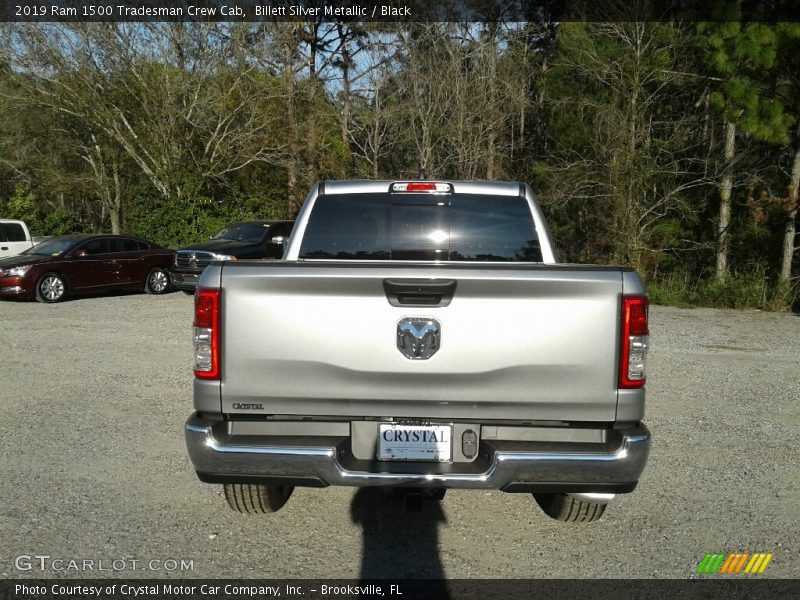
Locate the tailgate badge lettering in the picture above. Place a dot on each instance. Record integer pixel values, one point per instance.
(248, 406)
(418, 338)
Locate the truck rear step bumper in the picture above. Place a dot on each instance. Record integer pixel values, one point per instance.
(319, 462)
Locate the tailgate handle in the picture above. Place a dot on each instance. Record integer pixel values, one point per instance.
(419, 292)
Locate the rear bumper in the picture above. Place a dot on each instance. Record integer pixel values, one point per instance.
(323, 461)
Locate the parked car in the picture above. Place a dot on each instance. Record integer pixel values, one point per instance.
(78, 264)
(14, 237)
(244, 239)
(420, 335)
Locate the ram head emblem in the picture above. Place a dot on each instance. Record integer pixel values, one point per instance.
(418, 338)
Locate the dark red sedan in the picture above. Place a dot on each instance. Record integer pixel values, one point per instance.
(79, 264)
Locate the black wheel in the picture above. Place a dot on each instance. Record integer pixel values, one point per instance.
(188, 292)
(51, 288)
(566, 508)
(257, 499)
(157, 281)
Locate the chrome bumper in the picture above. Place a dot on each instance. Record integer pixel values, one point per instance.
(12, 290)
(318, 464)
(185, 281)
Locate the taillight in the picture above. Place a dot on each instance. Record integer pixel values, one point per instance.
(206, 334)
(633, 355)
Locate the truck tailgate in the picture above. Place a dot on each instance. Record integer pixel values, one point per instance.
(518, 342)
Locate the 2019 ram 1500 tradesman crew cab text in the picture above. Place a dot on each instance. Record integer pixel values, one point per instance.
(420, 335)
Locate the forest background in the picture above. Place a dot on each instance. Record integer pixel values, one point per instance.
(673, 148)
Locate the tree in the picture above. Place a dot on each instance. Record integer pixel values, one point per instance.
(372, 113)
(164, 94)
(789, 93)
(621, 136)
(739, 56)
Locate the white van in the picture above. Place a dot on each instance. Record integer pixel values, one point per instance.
(14, 237)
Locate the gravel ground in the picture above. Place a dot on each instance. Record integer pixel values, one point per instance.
(95, 392)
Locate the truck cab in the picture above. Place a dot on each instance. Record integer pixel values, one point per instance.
(14, 237)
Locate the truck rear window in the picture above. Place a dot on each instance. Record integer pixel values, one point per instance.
(453, 227)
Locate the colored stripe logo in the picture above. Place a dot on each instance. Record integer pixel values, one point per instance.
(734, 563)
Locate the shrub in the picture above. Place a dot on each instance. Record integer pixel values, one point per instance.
(61, 222)
(22, 206)
(741, 290)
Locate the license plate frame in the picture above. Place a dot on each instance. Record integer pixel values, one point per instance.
(404, 446)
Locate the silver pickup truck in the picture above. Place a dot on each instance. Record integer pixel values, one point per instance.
(420, 335)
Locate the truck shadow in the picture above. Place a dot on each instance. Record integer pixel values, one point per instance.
(399, 543)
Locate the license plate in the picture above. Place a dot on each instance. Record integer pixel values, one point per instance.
(430, 443)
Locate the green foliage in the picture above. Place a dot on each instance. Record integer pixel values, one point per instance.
(22, 205)
(742, 55)
(61, 222)
(752, 290)
(175, 224)
(670, 291)
(743, 291)
(619, 127)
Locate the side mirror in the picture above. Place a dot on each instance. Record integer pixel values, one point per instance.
(80, 253)
(278, 240)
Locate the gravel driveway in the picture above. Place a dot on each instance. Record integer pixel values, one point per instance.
(95, 392)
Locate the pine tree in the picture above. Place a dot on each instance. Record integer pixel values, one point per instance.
(740, 57)
(788, 89)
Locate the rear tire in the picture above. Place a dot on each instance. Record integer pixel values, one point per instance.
(257, 499)
(562, 507)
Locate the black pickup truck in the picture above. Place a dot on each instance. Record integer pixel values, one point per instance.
(240, 240)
